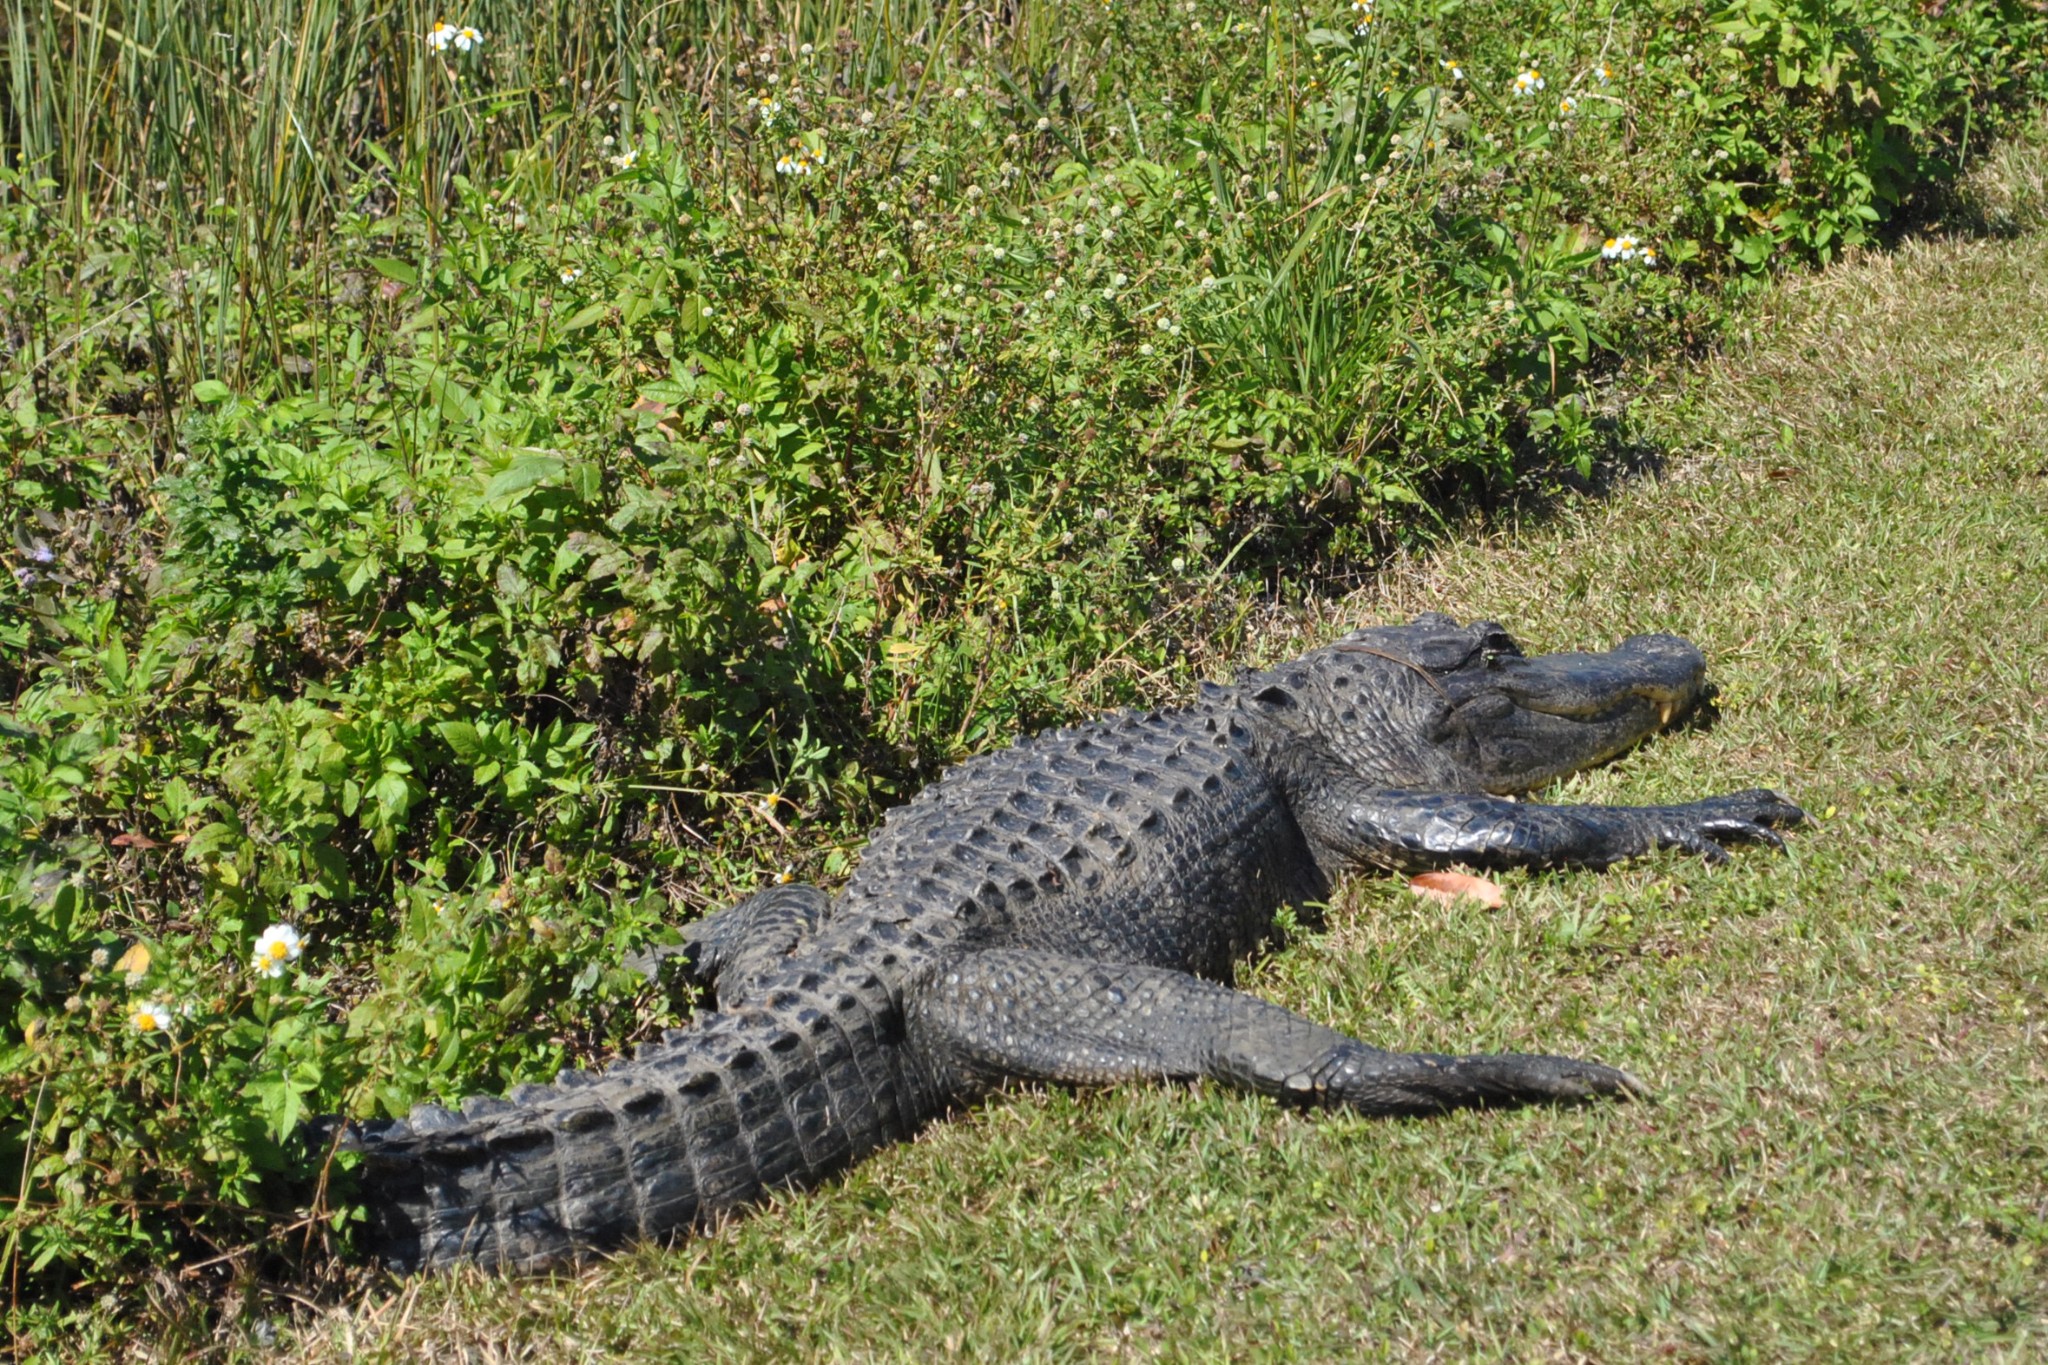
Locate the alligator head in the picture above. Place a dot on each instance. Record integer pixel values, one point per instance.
(1453, 707)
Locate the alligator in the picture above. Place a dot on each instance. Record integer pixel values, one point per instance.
(1068, 910)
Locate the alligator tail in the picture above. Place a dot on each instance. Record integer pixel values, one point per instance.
(704, 1122)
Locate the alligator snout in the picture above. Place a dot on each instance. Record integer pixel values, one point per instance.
(1667, 671)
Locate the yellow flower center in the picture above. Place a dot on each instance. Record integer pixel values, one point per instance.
(277, 948)
(145, 1021)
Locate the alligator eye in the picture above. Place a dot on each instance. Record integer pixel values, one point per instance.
(1491, 658)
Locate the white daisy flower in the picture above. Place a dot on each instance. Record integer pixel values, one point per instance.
(151, 1017)
(1529, 82)
(277, 948)
(467, 39)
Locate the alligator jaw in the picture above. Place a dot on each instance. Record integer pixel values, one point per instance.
(1571, 711)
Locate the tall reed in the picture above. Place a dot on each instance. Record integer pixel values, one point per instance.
(272, 108)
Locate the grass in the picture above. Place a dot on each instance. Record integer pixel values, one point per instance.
(1846, 1158)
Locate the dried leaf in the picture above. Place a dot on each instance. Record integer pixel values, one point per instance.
(134, 840)
(1448, 886)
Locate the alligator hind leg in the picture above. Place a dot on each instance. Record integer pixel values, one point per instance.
(742, 942)
(983, 1018)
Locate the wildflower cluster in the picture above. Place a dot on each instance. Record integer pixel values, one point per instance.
(1529, 82)
(1361, 17)
(278, 948)
(765, 107)
(801, 159)
(1626, 248)
(444, 35)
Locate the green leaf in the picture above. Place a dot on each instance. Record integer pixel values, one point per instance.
(523, 473)
(457, 404)
(332, 864)
(391, 268)
(393, 795)
(586, 315)
(211, 391)
(428, 316)
(207, 840)
(462, 737)
(637, 306)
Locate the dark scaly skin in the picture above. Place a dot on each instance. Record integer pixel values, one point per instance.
(1068, 910)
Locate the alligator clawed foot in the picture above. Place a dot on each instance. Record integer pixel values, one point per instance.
(1757, 805)
(1708, 828)
(1509, 1079)
(1575, 1081)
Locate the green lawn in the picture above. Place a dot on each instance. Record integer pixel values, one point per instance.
(1847, 1159)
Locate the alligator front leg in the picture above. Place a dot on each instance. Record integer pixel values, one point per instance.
(981, 1019)
(1413, 831)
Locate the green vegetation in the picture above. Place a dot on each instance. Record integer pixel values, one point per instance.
(1845, 1159)
(481, 506)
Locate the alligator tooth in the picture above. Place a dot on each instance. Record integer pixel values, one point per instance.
(1664, 710)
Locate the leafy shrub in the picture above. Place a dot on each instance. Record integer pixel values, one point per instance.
(587, 511)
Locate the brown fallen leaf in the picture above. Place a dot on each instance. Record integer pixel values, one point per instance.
(1448, 886)
(133, 840)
